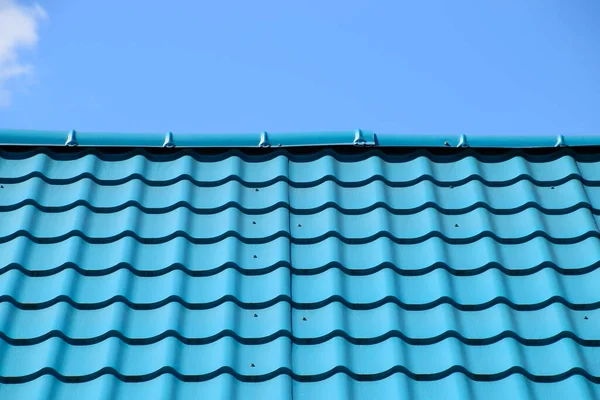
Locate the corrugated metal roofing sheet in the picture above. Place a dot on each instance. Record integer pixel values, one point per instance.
(284, 275)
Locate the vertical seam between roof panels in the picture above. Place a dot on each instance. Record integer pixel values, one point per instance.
(291, 314)
(587, 196)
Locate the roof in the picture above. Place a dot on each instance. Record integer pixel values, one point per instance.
(301, 272)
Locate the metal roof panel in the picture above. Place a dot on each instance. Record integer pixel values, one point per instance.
(316, 273)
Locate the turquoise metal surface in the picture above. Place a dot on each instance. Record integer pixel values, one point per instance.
(282, 274)
(357, 137)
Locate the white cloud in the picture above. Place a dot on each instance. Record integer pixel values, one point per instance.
(18, 30)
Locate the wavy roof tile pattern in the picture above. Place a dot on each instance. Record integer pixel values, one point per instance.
(299, 275)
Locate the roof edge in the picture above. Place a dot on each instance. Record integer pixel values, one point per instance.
(16, 137)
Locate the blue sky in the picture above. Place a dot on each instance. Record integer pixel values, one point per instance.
(475, 67)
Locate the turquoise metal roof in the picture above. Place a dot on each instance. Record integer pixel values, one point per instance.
(298, 273)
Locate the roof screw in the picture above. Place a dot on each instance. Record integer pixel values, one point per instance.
(71, 139)
(585, 317)
(168, 143)
(255, 315)
(256, 190)
(253, 222)
(462, 142)
(299, 225)
(303, 318)
(254, 256)
(451, 187)
(252, 365)
(264, 140)
(456, 225)
(552, 187)
(359, 139)
(1, 186)
(447, 144)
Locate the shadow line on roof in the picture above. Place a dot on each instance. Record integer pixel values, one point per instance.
(308, 154)
(300, 341)
(302, 378)
(301, 306)
(300, 271)
(300, 211)
(298, 185)
(300, 241)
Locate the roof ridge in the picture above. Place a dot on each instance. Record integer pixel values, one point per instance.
(358, 137)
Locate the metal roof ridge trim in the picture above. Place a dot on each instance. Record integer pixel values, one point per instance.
(278, 139)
